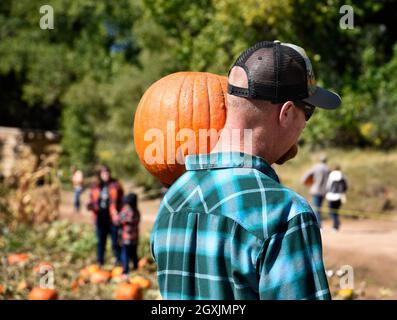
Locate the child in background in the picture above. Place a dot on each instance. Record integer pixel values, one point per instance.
(129, 217)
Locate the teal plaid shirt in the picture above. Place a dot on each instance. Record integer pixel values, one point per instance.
(227, 229)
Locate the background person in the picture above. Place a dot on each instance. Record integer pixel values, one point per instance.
(129, 218)
(317, 178)
(78, 184)
(105, 202)
(336, 194)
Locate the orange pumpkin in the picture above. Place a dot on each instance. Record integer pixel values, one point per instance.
(75, 285)
(179, 101)
(128, 291)
(117, 272)
(43, 294)
(100, 276)
(142, 263)
(141, 281)
(42, 267)
(2, 288)
(86, 272)
(93, 268)
(17, 258)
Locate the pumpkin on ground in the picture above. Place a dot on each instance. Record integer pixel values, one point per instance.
(142, 263)
(141, 281)
(75, 285)
(42, 267)
(345, 294)
(86, 272)
(93, 268)
(170, 119)
(128, 291)
(17, 258)
(117, 272)
(100, 276)
(43, 294)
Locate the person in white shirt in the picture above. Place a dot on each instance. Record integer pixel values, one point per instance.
(336, 194)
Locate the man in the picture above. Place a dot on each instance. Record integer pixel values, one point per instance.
(227, 229)
(317, 178)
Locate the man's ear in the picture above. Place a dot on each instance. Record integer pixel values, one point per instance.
(286, 115)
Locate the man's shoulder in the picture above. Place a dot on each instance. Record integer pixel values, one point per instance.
(255, 201)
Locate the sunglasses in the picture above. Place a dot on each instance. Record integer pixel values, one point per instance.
(307, 108)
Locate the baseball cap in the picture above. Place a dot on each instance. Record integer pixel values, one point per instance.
(280, 72)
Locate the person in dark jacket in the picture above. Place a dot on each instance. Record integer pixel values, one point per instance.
(105, 202)
(128, 219)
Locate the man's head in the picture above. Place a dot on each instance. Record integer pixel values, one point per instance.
(271, 90)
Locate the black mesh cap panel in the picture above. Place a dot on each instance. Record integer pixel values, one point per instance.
(275, 72)
(292, 75)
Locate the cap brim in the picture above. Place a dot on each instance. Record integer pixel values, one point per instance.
(325, 99)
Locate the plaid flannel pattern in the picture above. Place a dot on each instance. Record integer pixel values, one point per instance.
(227, 229)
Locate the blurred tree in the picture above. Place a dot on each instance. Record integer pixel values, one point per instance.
(49, 68)
(102, 55)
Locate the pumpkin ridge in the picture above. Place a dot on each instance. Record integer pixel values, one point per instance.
(163, 147)
(208, 147)
(178, 143)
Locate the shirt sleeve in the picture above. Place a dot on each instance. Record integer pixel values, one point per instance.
(291, 264)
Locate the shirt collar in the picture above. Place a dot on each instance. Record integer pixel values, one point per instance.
(224, 160)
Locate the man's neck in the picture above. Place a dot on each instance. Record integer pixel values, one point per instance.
(246, 141)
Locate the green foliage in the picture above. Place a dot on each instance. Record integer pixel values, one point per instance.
(102, 55)
(380, 87)
(78, 137)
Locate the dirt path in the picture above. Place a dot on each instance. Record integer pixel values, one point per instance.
(369, 246)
